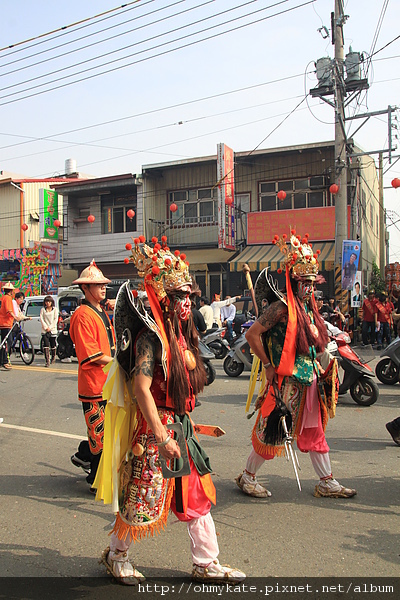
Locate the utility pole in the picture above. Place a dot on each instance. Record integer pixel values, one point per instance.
(340, 148)
(340, 134)
(382, 221)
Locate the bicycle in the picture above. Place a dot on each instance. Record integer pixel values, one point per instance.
(25, 348)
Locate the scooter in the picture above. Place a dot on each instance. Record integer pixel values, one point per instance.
(239, 357)
(206, 356)
(65, 346)
(215, 341)
(358, 375)
(388, 369)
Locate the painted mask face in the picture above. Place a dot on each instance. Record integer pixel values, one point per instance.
(304, 289)
(182, 307)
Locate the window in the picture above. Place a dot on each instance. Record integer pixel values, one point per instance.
(113, 214)
(194, 207)
(33, 309)
(300, 193)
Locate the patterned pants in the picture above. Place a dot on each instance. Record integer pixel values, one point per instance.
(94, 417)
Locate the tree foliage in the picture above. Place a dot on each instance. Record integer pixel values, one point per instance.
(377, 282)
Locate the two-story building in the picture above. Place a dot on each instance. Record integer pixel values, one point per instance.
(303, 172)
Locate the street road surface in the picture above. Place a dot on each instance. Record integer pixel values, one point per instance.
(51, 525)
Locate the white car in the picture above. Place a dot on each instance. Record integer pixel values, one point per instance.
(67, 301)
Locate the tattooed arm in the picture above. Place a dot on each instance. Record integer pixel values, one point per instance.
(277, 311)
(147, 350)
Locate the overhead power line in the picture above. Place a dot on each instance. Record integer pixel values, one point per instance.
(165, 52)
(64, 27)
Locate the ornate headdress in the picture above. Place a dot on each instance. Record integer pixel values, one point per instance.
(163, 271)
(299, 256)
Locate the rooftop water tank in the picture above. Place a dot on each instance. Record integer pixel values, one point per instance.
(70, 166)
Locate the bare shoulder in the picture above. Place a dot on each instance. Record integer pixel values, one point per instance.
(276, 312)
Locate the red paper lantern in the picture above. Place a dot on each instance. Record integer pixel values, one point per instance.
(128, 246)
(228, 201)
(396, 183)
(130, 214)
(91, 219)
(281, 195)
(57, 223)
(173, 207)
(24, 227)
(126, 261)
(334, 188)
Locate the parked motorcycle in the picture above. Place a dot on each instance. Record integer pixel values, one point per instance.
(206, 356)
(388, 369)
(215, 341)
(65, 346)
(239, 357)
(358, 375)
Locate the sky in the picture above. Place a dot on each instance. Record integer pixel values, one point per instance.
(159, 80)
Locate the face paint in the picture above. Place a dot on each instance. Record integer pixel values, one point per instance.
(182, 307)
(304, 289)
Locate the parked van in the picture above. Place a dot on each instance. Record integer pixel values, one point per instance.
(66, 301)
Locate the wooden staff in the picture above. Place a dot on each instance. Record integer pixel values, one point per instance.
(246, 271)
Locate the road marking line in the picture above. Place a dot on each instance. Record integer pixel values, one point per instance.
(47, 369)
(45, 431)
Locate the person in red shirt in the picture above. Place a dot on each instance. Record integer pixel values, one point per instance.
(368, 326)
(6, 323)
(94, 339)
(383, 319)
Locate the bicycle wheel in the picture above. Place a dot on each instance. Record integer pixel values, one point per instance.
(26, 349)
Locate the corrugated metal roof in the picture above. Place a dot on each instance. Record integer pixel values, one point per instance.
(259, 257)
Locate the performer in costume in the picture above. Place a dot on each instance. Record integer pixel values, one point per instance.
(287, 338)
(94, 339)
(152, 384)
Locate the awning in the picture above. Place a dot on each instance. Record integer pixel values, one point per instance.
(200, 259)
(259, 257)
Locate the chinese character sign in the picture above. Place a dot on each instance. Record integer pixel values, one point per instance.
(226, 197)
(48, 210)
(350, 257)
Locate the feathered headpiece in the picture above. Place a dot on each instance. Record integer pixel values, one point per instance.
(163, 271)
(299, 256)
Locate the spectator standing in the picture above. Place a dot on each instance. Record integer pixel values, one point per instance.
(206, 311)
(6, 323)
(368, 326)
(217, 304)
(383, 320)
(49, 320)
(228, 314)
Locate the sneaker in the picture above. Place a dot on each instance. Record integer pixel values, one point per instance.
(197, 403)
(78, 462)
(394, 432)
(119, 566)
(250, 486)
(67, 360)
(217, 572)
(330, 488)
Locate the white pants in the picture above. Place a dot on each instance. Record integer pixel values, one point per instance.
(320, 461)
(203, 541)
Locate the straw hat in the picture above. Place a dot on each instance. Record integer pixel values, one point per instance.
(8, 286)
(91, 274)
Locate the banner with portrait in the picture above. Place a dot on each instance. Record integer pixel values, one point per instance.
(350, 258)
(356, 291)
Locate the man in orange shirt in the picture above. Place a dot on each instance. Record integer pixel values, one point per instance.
(94, 339)
(6, 323)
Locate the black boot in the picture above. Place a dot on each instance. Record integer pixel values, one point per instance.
(393, 428)
(53, 355)
(46, 352)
